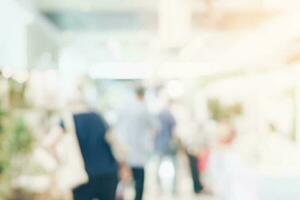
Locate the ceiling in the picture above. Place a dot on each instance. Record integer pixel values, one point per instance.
(95, 5)
(100, 15)
(103, 21)
(232, 28)
(128, 15)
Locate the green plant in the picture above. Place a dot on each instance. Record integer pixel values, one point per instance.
(16, 93)
(15, 136)
(219, 111)
(15, 141)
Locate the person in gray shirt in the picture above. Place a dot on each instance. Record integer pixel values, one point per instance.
(134, 126)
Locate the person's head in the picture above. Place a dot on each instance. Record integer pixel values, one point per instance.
(140, 92)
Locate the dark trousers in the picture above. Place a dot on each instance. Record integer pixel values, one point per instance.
(139, 181)
(102, 187)
(193, 161)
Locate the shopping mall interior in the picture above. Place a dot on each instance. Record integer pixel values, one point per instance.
(221, 75)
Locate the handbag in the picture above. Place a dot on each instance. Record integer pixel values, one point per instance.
(71, 172)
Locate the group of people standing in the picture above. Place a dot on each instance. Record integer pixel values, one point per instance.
(119, 153)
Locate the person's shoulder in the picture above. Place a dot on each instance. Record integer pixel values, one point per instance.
(97, 117)
(88, 114)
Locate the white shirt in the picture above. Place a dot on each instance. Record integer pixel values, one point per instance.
(134, 126)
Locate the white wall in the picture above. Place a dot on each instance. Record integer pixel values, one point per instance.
(13, 20)
(43, 43)
(24, 36)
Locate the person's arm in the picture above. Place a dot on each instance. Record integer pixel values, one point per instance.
(119, 150)
(118, 147)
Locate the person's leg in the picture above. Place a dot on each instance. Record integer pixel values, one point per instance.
(139, 179)
(105, 186)
(193, 161)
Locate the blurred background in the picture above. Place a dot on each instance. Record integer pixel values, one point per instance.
(232, 60)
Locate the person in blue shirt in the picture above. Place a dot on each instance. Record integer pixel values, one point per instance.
(165, 140)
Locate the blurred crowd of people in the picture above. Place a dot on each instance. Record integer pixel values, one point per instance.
(114, 155)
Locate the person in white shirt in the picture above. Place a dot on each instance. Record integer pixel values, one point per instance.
(134, 126)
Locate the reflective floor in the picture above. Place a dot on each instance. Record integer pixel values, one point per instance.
(184, 184)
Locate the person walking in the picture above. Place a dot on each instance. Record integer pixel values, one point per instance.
(134, 125)
(191, 140)
(165, 144)
(102, 154)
